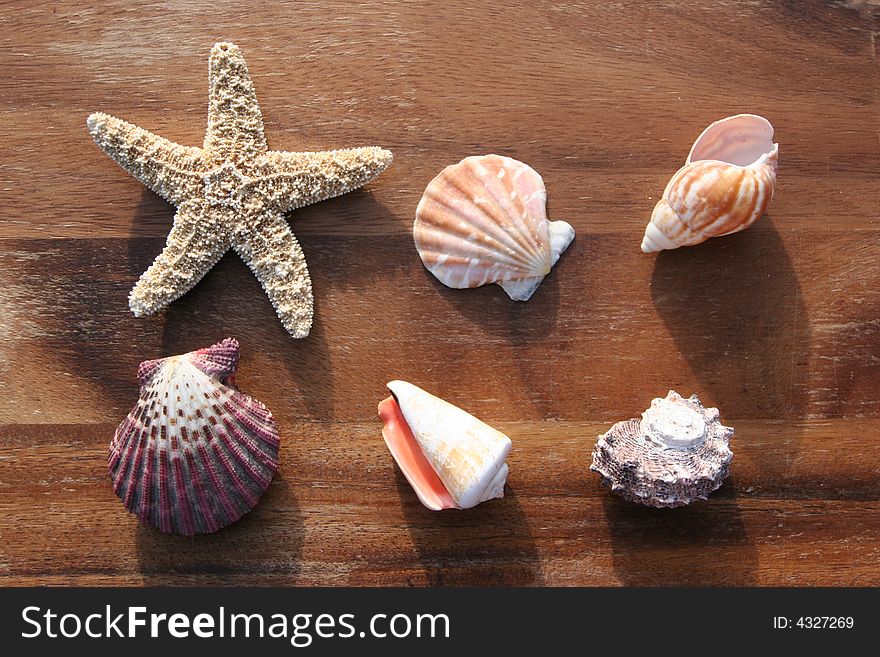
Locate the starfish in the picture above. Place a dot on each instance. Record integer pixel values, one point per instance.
(233, 192)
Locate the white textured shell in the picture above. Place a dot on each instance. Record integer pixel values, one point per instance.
(467, 454)
(725, 186)
(484, 220)
(677, 453)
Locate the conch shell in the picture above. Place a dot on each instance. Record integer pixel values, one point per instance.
(194, 454)
(724, 187)
(677, 453)
(484, 220)
(450, 458)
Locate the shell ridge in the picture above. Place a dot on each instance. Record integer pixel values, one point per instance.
(561, 236)
(202, 520)
(533, 220)
(432, 244)
(440, 248)
(262, 449)
(218, 361)
(462, 273)
(503, 192)
(131, 471)
(493, 222)
(146, 489)
(223, 448)
(257, 410)
(162, 489)
(154, 500)
(263, 429)
(491, 225)
(527, 234)
(147, 369)
(219, 500)
(185, 524)
(466, 270)
(237, 450)
(121, 441)
(455, 263)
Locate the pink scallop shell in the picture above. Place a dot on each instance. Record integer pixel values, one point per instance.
(484, 220)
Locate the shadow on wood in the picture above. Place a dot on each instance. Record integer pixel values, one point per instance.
(520, 322)
(689, 546)
(229, 301)
(853, 391)
(734, 308)
(488, 545)
(486, 313)
(262, 548)
(200, 318)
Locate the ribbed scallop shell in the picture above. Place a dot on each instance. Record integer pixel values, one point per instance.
(483, 221)
(642, 468)
(725, 186)
(194, 454)
(451, 459)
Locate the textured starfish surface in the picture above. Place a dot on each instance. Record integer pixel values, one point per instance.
(232, 193)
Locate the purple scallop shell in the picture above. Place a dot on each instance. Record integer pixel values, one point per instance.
(194, 454)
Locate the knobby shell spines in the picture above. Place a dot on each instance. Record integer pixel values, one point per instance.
(678, 452)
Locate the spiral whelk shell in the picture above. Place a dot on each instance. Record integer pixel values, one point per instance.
(677, 453)
(450, 458)
(484, 220)
(194, 454)
(725, 185)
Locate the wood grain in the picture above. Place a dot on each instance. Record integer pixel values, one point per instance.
(777, 326)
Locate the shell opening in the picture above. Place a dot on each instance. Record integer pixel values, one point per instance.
(451, 458)
(742, 140)
(410, 459)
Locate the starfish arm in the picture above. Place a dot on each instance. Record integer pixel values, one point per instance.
(169, 169)
(293, 180)
(195, 244)
(270, 249)
(235, 123)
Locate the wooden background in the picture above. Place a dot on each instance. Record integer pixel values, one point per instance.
(778, 326)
